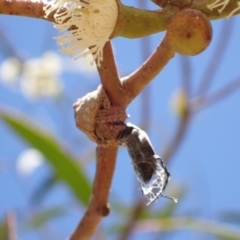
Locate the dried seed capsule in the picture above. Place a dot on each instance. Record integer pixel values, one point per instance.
(149, 167)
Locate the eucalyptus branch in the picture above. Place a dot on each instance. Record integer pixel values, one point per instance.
(119, 93)
(134, 216)
(131, 22)
(205, 101)
(128, 22)
(106, 156)
(98, 206)
(185, 116)
(110, 79)
(186, 74)
(11, 226)
(138, 80)
(136, 23)
(216, 59)
(172, 147)
(25, 8)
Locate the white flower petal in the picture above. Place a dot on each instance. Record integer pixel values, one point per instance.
(10, 70)
(40, 76)
(84, 25)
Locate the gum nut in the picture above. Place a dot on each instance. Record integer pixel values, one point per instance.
(189, 32)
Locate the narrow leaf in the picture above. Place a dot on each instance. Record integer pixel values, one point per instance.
(64, 165)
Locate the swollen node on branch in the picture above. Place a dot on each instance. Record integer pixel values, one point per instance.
(189, 32)
(98, 119)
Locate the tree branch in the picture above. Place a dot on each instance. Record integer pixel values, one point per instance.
(185, 117)
(216, 59)
(205, 101)
(139, 79)
(171, 149)
(98, 206)
(11, 226)
(133, 217)
(25, 8)
(110, 79)
(132, 22)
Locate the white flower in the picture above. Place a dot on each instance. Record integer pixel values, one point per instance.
(84, 24)
(28, 161)
(223, 4)
(40, 76)
(10, 70)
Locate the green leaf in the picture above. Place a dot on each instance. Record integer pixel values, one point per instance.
(65, 167)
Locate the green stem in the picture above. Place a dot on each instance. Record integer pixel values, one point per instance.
(135, 23)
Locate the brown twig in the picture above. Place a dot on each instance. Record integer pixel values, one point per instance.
(205, 101)
(216, 59)
(110, 79)
(146, 93)
(25, 8)
(11, 226)
(98, 206)
(133, 217)
(106, 157)
(34, 9)
(172, 147)
(186, 74)
(118, 94)
(138, 204)
(139, 79)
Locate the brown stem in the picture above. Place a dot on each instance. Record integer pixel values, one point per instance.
(139, 79)
(171, 149)
(138, 204)
(146, 93)
(186, 73)
(110, 78)
(11, 226)
(134, 216)
(24, 8)
(155, 21)
(98, 206)
(205, 101)
(217, 58)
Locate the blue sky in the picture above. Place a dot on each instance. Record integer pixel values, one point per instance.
(207, 162)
